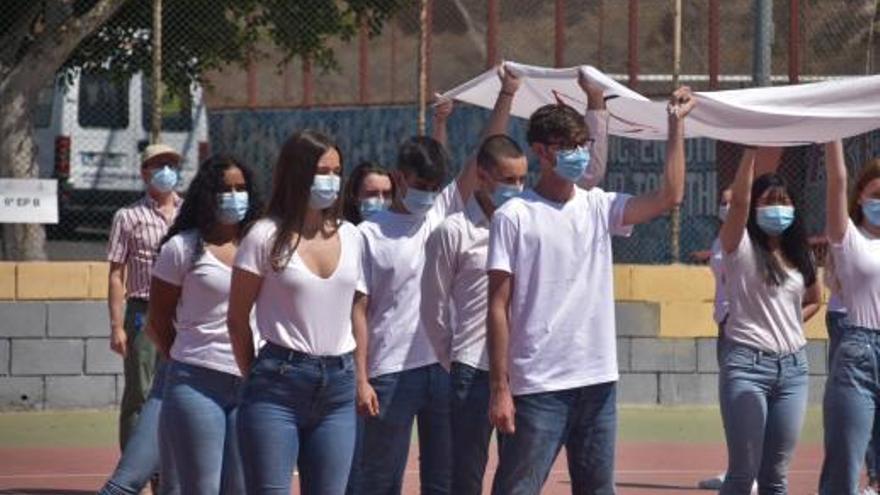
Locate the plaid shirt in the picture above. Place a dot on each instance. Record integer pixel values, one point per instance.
(134, 241)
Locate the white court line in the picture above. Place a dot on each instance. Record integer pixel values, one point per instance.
(416, 471)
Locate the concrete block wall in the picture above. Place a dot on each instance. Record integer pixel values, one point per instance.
(55, 350)
(54, 344)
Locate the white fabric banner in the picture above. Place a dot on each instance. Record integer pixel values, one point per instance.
(773, 116)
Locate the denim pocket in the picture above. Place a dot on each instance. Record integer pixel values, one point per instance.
(737, 357)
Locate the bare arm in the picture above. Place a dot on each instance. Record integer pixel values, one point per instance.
(597, 121)
(646, 207)
(811, 302)
(242, 295)
(837, 219)
(163, 305)
(501, 409)
(367, 401)
(442, 110)
(497, 124)
(733, 229)
(115, 304)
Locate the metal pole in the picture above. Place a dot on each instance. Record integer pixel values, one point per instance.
(491, 33)
(633, 58)
(156, 117)
(676, 72)
(363, 63)
(763, 42)
(600, 45)
(714, 37)
(423, 66)
(794, 41)
(559, 32)
(308, 81)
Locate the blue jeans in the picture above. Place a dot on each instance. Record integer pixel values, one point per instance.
(836, 324)
(763, 402)
(297, 410)
(582, 419)
(198, 417)
(419, 392)
(140, 459)
(471, 429)
(852, 397)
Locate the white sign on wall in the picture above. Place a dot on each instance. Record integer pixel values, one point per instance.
(28, 201)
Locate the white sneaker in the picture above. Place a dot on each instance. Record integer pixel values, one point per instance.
(713, 483)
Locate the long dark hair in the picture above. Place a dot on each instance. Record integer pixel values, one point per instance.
(199, 209)
(351, 205)
(291, 189)
(792, 242)
(869, 172)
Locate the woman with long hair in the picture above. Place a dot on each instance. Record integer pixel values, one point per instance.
(299, 265)
(771, 288)
(189, 293)
(369, 189)
(852, 393)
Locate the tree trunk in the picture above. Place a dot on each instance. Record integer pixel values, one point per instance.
(19, 84)
(21, 241)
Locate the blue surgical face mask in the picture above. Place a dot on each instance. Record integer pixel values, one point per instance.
(325, 190)
(164, 179)
(775, 219)
(371, 206)
(417, 201)
(503, 192)
(572, 164)
(232, 207)
(871, 210)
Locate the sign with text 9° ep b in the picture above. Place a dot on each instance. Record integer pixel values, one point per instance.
(28, 201)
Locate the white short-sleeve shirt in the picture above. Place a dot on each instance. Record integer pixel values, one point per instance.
(296, 308)
(765, 317)
(562, 328)
(857, 266)
(393, 260)
(717, 266)
(200, 317)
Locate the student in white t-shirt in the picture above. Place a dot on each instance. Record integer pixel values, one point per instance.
(187, 322)
(552, 349)
(852, 393)
(770, 283)
(455, 291)
(300, 266)
(406, 380)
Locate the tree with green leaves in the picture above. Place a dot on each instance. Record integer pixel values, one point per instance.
(42, 38)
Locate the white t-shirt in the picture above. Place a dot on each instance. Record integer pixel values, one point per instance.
(200, 317)
(857, 266)
(717, 266)
(394, 257)
(764, 317)
(296, 308)
(562, 329)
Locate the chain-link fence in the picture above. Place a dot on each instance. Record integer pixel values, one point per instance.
(91, 125)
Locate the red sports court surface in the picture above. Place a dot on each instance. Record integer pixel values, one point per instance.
(660, 451)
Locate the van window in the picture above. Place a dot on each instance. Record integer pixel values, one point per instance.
(176, 110)
(103, 102)
(43, 106)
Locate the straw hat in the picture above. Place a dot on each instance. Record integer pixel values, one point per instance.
(159, 153)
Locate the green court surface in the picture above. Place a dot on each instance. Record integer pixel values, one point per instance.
(700, 425)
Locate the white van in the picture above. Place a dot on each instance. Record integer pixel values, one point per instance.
(90, 132)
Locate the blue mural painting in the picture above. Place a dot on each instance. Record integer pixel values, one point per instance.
(373, 133)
